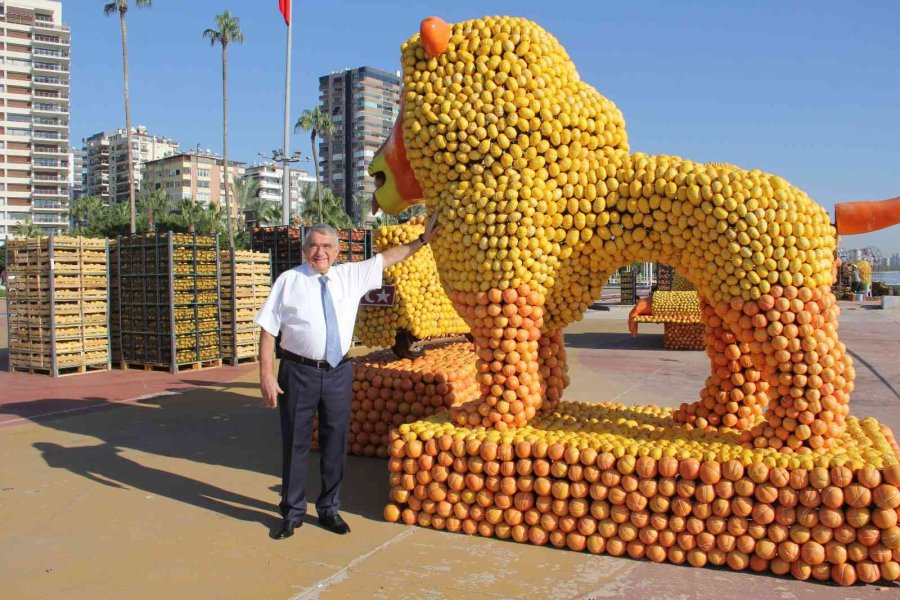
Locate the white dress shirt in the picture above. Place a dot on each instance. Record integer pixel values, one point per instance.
(294, 306)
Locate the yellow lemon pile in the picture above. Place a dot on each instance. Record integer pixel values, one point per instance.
(421, 306)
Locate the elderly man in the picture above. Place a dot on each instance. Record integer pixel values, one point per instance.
(314, 307)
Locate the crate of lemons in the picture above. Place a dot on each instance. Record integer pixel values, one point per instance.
(421, 307)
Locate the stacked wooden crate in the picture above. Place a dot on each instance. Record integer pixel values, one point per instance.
(58, 309)
(245, 286)
(169, 301)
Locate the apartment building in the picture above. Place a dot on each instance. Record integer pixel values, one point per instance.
(270, 176)
(199, 175)
(106, 161)
(363, 104)
(34, 115)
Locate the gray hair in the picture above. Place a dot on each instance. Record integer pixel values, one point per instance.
(320, 228)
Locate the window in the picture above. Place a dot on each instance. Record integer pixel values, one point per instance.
(202, 172)
(203, 184)
(202, 197)
(16, 131)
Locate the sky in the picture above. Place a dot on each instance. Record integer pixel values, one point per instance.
(808, 90)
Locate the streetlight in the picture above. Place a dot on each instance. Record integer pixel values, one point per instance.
(279, 156)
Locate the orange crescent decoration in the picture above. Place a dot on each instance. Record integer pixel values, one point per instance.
(435, 34)
(395, 155)
(862, 217)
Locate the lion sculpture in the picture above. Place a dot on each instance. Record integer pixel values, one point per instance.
(541, 199)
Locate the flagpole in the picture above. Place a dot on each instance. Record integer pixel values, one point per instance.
(286, 165)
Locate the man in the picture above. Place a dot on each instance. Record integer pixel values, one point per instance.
(854, 279)
(314, 308)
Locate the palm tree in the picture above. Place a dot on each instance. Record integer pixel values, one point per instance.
(188, 213)
(330, 210)
(154, 204)
(229, 31)
(212, 220)
(86, 211)
(28, 228)
(270, 215)
(121, 7)
(317, 123)
(245, 192)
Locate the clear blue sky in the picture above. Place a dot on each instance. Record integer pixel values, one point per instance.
(808, 90)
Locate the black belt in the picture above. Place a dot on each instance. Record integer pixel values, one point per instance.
(318, 364)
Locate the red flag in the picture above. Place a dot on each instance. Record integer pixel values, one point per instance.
(285, 7)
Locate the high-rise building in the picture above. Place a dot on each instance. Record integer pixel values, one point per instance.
(106, 158)
(195, 174)
(363, 103)
(270, 177)
(895, 261)
(34, 115)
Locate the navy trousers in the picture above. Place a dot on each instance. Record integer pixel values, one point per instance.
(308, 390)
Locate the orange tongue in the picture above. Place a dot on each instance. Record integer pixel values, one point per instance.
(375, 206)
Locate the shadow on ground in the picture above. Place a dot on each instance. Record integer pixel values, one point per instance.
(203, 426)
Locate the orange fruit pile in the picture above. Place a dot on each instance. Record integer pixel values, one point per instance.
(623, 480)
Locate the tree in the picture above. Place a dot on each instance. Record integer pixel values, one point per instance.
(229, 31)
(188, 214)
(317, 123)
(155, 205)
(245, 190)
(270, 215)
(213, 221)
(86, 212)
(121, 7)
(28, 228)
(330, 210)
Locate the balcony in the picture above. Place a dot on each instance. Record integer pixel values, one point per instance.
(52, 95)
(48, 150)
(49, 40)
(49, 205)
(47, 25)
(49, 163)
(48, 135)
(51, 219)
(60, 54)
(51, 82)
(49, 178)
(40, 107)
(45, 122)
(42, 66)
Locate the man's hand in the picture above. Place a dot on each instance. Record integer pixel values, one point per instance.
(432, 227)
(270, 390)
(267, 381)
(392, 256)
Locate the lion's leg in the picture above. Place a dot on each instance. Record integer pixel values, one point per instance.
(735, 392)
(553, 368)
(808, 367)
(506, 326)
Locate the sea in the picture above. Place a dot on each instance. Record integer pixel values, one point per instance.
(888, 277)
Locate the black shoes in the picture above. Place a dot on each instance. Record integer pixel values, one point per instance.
(286, 529)
(335, 524)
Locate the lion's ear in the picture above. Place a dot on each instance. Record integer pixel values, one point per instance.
(435, 34)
